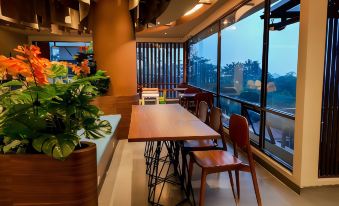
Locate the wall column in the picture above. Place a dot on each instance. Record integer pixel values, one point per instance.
(115, 52)
(115, 46)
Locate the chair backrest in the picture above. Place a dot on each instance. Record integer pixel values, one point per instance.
(164, 93)
(203, 111)
(206, 97)
(239, 132)
(191, 90)
(150, 89)
(182, 85)
(215, 119)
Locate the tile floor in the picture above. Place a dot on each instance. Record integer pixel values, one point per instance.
(126, 182)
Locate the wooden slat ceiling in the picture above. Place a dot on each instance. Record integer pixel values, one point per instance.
(47, 14)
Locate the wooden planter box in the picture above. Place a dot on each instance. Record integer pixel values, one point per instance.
(40, 180)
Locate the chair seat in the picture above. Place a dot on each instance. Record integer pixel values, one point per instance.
(216, 159)
(193, 145)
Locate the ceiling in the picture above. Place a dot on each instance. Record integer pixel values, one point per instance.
(174, 13)
(183, 29)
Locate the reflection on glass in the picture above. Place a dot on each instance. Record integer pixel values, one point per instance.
(241, 54)
(282, 68)
(229, 107)
(253, 119)
(202, 71)
(279, 137)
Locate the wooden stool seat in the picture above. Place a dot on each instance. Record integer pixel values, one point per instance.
(216, 159)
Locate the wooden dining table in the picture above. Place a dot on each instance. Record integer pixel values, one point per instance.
(165, 126)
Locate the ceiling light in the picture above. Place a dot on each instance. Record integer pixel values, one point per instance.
(158, 22)
(205, 2)
(194, 9)
(165, 33)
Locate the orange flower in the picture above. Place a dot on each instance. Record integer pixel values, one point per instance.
(83, 69)
(28, 64)
(76, 69)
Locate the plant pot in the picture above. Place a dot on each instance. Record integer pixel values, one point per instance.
(37, 179)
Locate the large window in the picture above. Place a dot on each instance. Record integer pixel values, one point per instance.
(258, 71)
(282, 64)
(203, 55)
(241, 54)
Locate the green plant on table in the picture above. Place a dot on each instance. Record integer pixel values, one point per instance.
(41, 117)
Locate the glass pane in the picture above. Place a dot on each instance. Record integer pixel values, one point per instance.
(229, 107)
(282, 67)
(253, 119)
(279, 137)
(203, 55)
(241, 53)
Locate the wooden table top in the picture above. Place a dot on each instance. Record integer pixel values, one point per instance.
(166, 122)
(179, 89)
(187, 95)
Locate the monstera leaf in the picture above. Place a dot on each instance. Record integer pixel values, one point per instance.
(58, 146)
(96, 129)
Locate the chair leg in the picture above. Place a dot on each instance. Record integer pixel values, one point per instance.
(202, 188)
(190, 169)
(232, 186)
(184, 162)
(255, 184)
(237, 183)
(190, 173)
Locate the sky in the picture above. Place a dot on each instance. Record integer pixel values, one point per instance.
(243, 41)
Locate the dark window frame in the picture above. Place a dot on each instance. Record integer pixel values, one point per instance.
(262, 108)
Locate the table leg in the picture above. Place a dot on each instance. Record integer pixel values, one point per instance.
(153, 179)
(156, 165)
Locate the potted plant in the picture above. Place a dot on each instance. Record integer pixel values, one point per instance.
(42, 160)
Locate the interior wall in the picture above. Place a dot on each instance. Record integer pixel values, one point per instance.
(115, 46)
(309, 90)
(10, 40)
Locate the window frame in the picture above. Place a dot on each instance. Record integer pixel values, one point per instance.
(262, 107)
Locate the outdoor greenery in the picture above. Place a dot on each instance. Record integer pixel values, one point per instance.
(281, 90)
(43, 117)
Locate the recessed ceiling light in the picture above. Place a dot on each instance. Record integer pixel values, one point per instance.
(165, 33)
(194, 9)
(205, 2)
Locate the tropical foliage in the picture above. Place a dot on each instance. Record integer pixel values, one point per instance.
(43, 117)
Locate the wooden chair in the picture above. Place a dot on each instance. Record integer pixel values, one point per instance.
(162, 99)
(207, 97)
(216, 161)
(202, 113)
(203, 145)
(190, 90)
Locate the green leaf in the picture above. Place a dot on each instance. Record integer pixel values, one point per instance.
(58, 70)
(97, 129)
(58, 146)
(100, 73)
(13, 145)
(12, 83)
